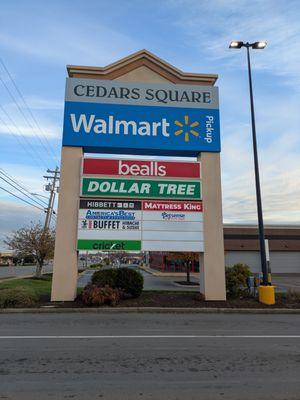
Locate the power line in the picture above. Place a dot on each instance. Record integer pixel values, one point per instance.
(25, 201)
(49, 207)
(34, 152)
(24, 116)
(21, 191)
(21, 185)
(27, 107)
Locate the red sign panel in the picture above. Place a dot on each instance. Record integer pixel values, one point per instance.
(187, 206)
(143, 168)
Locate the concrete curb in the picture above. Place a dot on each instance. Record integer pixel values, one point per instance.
(168, 274)
(14, 278)
(150, 310)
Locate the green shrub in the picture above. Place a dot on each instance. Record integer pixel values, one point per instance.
(17, 297)
(97, 296)
(236, 279)
(131, 282)
(106, 277)
(97, 265)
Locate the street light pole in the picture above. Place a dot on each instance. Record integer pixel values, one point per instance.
(264, 267)
(262, 246)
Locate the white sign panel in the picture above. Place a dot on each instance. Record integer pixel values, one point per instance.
(141, 225)
(178, 226)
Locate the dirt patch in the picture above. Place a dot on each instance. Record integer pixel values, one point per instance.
(184, 299)
(175, 299)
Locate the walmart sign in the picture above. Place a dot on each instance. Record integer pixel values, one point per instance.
(117, 117)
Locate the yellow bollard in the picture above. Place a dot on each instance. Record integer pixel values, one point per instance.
(266, 294)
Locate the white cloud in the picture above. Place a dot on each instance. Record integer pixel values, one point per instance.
(279, 172)
(274, 21)
(96, 44)
(49, 130)
(45, 104)
(21, 122)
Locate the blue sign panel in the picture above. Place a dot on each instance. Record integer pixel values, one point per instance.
(132, 118)
(116, 128)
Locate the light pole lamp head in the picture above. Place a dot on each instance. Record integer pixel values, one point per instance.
(235, 44)
(259, 45)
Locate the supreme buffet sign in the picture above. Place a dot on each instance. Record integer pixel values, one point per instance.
(140, 205)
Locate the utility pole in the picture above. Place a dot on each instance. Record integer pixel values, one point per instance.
(52, 188)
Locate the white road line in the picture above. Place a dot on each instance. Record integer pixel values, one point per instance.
(153, 337)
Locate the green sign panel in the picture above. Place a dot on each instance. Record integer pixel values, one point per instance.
(108, 245)
(141, 188)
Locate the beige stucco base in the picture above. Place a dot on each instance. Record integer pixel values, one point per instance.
(212, 263)
(65, 269)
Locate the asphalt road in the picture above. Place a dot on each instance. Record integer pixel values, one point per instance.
(149, 356)
(19, 271)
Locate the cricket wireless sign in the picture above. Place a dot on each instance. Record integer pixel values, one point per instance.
(117, 224)
(118, 117)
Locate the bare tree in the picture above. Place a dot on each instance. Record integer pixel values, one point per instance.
(187, 259)
(35, 241)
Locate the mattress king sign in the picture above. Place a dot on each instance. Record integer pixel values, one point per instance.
(142, 168)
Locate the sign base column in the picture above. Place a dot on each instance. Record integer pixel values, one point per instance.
(65, 267)
(212, 261)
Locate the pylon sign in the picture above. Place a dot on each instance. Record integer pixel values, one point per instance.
(143, 219)
(139, 118)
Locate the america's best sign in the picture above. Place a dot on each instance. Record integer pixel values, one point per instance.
(121, 117)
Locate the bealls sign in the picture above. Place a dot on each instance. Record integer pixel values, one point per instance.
(114, 117)
(142, 168)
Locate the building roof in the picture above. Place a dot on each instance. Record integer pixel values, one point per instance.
(142, 58)
(6, 253)
(245, 237)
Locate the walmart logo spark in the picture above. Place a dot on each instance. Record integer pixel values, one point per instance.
(186, 128)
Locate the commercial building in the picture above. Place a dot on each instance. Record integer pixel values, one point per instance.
(242, 246)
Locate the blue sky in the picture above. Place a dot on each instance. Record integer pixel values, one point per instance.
(38, 39)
